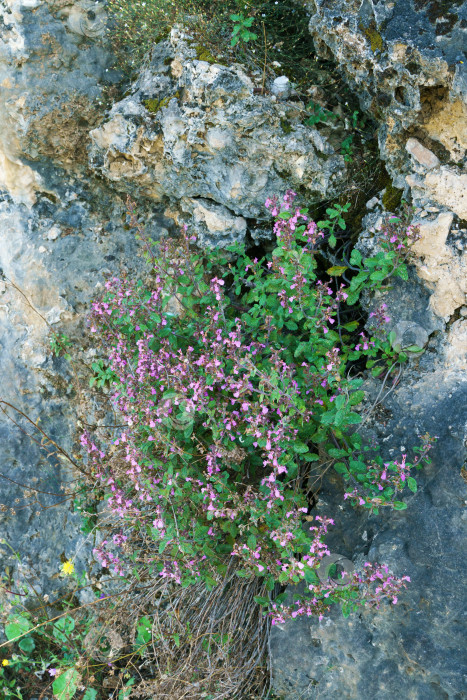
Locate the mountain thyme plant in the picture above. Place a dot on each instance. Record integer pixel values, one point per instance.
(230, 375)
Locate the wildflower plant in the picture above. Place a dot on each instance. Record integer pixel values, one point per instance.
(230, 375)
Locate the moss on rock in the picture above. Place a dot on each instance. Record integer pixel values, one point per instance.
(374, 37)
(392, 197)
(154, 105)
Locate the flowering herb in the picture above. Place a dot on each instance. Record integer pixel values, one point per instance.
(230, 373)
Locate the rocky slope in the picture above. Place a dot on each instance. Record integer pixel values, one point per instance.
(193, 141)
(407, 62)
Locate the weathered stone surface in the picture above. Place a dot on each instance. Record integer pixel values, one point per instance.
(52, 80)
(55, 254)
(192, 129)
(414, 649)
(59, 235)
(406, 60)
(421, 154)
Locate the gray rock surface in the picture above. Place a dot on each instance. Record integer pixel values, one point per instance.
(415, 649)
(57, 254)
(193, 129)
(60, 233)
(407, 62)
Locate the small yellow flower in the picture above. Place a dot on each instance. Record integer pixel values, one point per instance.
(5, 662)
(67, 568)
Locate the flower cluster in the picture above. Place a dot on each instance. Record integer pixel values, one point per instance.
(222, 398)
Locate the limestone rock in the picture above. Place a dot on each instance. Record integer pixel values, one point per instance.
(51, 84)
(192, 129)
(58, 236)
(406, 60)
(414, 649)
(442, 265)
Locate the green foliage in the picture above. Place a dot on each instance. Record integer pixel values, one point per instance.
(46, 651)
(66, 685)
(374, 271)
(336, 219)
(318, 114)
(347, 148)
(276, 336)
(241, 29)
(59, 344)
(103, 375)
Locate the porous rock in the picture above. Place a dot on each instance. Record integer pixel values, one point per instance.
(407, 62)
(193, 129)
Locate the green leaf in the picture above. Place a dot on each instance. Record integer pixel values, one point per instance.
(164, 544)
(337, 270)
(144, 631)
(261, 600)
(332, 240)
(356, 397)
(65, 686)
(242, 573)
(17, 628)
(402, 272)
(310, 457)
(311, 576)
(339, 402)
(399, 505)
(337, 452)
(378, 275)
(351, 326)
(352, 298)
(341, 468)
(300, 447)
(90, 694)
(27, 644)
(415, 349)
(355, 257)
(251, 542)
(412, 484)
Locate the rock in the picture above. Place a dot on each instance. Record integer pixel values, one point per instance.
(439, 257)
(281, 87)
(59, 232)
(52, 81)
(406, 60)
(52, 291)
(414, 649)
(443, 267)
(421, 154)
(447, 187)
(213, 224)
(195, 130)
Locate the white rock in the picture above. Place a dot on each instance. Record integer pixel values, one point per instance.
(281, 87)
